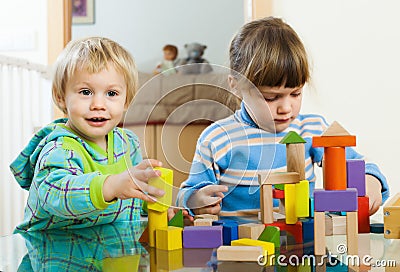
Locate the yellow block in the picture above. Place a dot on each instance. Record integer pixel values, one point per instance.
(269, 248)
(168, 260)
(169, 238)
(156, 220)
(125, 263)
(290, 203)
(164, 182)
(302, 198)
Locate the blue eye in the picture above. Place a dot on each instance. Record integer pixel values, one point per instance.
(85, 92)
(112, 93)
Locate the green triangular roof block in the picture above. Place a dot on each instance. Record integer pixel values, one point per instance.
(177, 220)
(292, 138)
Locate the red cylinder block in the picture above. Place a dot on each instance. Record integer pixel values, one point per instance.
(335, 168)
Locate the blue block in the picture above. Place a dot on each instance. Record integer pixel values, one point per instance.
(311, 207)
(229, 230)
(308, 229)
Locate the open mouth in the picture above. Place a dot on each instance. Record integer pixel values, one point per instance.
(97, 119)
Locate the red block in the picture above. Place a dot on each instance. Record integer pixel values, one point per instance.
(295, 229)
(279, 194)
(363, 214)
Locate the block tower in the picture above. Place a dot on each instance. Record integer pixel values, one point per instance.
(336, 195)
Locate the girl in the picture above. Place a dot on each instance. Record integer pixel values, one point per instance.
(230, 152)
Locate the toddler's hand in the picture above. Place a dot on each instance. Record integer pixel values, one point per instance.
(373, 191)
(207, 199)
(132, 183)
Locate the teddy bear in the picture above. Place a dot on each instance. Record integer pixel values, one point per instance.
(195, 52)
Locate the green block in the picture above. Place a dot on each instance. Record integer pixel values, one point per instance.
(271, 234)
(292, 138)
(177, 220)
(280, 187)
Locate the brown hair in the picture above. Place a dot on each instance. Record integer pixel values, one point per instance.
(268, 52)
(172, 48)
(93, 54)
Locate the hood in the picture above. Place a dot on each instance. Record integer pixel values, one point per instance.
(23, 166)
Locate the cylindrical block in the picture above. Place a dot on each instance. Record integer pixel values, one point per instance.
(335, 168)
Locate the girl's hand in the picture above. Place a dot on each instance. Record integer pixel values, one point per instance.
(373, 191)
(132, 183)
(207, 199)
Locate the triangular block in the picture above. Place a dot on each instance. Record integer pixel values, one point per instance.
(335, 129)
(177, 220)
(292, 138)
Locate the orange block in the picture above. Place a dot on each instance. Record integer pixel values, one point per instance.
(332, 141)
(335, 168)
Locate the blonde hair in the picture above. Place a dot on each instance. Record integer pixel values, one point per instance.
(93, 54)
(268, 52)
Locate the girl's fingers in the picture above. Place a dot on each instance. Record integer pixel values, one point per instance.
(144, 175)
(148, 163)
(152, 191)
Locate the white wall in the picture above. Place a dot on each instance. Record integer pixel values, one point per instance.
(23, 29)
(355, 49)
(144, 27)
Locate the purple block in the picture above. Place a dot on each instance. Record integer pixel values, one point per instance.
(335, 200)
(197, 257)
(356, 175)
(202, 237)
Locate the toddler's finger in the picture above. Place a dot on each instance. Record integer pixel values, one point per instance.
(153, 191)
(148, 163)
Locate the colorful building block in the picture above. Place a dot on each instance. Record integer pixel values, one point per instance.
(356, 175)
(334, 141)
(229, 230)
(335, 201)
(239, 253)
(391, 215)
(279, 194)
(352, 233)
(156, 220)
(363, 214)
(169, 238)
(293, 229)
(202, 222)
(268, 248)
(266, 204)
(250, 230)
(202, 237)
(271, 234)
(334, 176)
(290, 203)
(213, 217)
(307, 229)
(177, 220)
(165, 183)
(319, 233)
(168, 260)
(301, 199)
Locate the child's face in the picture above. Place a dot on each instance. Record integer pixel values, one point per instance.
(169, 55)
(275, 108)
(95, 103)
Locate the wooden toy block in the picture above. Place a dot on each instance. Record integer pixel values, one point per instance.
(197, 257)
(333, 141)
(307, 229)
(279, 194)
(250, 230)
(164, 182)
(352, 233)
(363, 214)
(177, 220)
(334, 176)
(271, 234)
(168, 260)
(335, 129)
(281, 207)
(364, 245)
(266, 204)
(311, 206)
(145, 236)
(213, 217)
(302, 193)
(391, 216)
(202, 222)
(279, 178)
(268, 248)
(292, 137)
(229, 230)
(290, 203)
(202, 237)
(239, 253)
(335, 201)
(293, 229)
(169, 238)
(156, 220)
(295, 159)
(319, 233)
(356, 175)
(279, 187)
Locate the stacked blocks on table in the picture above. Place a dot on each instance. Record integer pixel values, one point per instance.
(336, 196)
